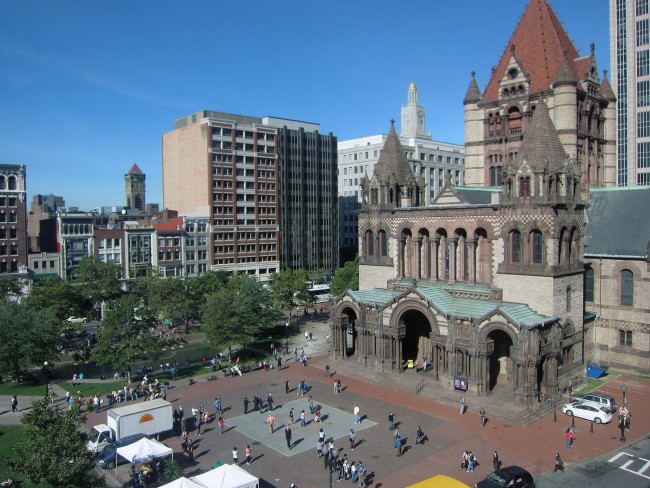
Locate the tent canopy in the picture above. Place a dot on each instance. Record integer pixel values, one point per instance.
(143, 450)
(227, 476)
(182, 482)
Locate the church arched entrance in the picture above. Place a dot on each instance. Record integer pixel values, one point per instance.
(500, 365)
(349, 320)
(416, 344)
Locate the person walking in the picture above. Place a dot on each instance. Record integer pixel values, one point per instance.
(482, 414)
(310, 404)
(221, 424)
(287, 436)
(361, 472)
(351, 437)
(270, 421)
(246, 402)
(336, 387)
(269, 400)
(495, 461)
(190, 449)
(319, 449)
(356, 410)
(471, 461)
(286, 386)
(419, 435)
(249, 454)
(321, 435)
(302, 419)
(353, 473)
(462, 405)
(569, 438)
(291, 416)
(217, 405)
(14, 404)
(559, 464)
(397, 444)
(235, 456)
(391, 420)
(197, 424)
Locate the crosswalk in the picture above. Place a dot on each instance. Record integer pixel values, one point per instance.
(632, 464)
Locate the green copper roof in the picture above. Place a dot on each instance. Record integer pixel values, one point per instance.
(440, 295)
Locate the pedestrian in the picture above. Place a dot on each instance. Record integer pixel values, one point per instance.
(391, 420)
(249, 454)
(357, 418)
(197, 424)
(181, 414)
(14, 403)
(235, 456)
(246, 402)
(221, 424)
(306, 335)
(495, 461)
(300, 387)
(462, 405)
(190, 449)
(559, 464)
(339, 468)
(419, 436)
(361, 472)
(302, 419)
(398, 439)
(269, 400)
(270, 421)
(319, 449)
(463, 460)
(351, 437)
(217, 405)
(279, 358)
(482, 414)
(287, 436)
(569, 438)
(286, 386)
(310, 404)
(471, 461)
(336, 387)
(295, 354)
(327, 370)
(291, 416)
(353, 473)
(321, 435)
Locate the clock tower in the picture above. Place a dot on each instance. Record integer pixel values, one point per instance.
(413, 116)
(135, 188)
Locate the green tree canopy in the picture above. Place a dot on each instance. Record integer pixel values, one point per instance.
(100, 280)
(61, 299)
(202, 286)
(168, 298)
(125, 334)
(53, 449)
(9, 288)
(346, 278)
(290, 286)
(28, 337)
(238, 313)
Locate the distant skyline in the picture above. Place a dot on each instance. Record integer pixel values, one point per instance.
(87, 89)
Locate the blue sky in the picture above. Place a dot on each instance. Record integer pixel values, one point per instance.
(88, 88)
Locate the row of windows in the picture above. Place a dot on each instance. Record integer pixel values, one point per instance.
(642, 66)
(536, 247)
(643, 93)
(12, 218)
(13, 233)
(626, 280)
(643, 155)
(641, 7)
(9, 267)
(13, 250)
(10, 183)
(8, 202)
(642, 32)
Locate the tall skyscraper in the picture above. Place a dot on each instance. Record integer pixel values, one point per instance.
(630, 60)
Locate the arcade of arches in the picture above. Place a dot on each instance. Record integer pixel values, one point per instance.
(489, 356)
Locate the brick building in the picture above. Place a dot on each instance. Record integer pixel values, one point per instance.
(13, 220)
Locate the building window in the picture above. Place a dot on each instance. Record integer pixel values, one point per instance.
(515, 246)
(383, 244)
(641, 7)
(643, 155)
(643, 124)
(524, 186)
(642, 63)
(538, 250)
(643, 93)
(625, 338)
(589, 285)
(642, 32)
(627, 287)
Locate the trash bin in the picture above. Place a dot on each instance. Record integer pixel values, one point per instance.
(81, 376)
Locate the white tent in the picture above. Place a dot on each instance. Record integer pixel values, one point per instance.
(227, 476)
(183, 482)
(143, 450)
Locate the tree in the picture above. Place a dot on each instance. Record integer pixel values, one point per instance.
(346, 278)
(290, 286)
(9, 288)
(53, 449)
(100, 280)
(28, 337)
(169, 297)
(238, 313)
(125, 334)
(59, 298)
(202, 286)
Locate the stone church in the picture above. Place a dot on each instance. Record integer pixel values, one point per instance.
(486, 285)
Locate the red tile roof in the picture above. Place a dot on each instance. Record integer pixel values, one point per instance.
(172, 224)
(135, 169)
(540, 42)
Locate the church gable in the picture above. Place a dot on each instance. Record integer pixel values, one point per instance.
(514, 81)
(448, 194)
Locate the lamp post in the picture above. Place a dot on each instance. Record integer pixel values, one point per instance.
(47, 378)
(286, 336)
(334, 456)
(624, 390)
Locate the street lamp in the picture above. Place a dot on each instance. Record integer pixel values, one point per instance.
(47, 379)
(624, 390)
(333, 457)
(286, 336)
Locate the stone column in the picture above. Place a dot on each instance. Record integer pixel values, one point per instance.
(443, 271)
(426, 262)
(452, 260)
(472, 261)
(420, 258)
(435, 259)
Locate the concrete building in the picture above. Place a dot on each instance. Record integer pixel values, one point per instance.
(629, 30)
(168, 255)
(41, 222)
(75, 239)
(267, 185)
(428, 158)
(197, 238)
(13, 220)
(135, 188)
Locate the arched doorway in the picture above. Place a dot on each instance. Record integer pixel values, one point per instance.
(416, 343)
(349, 320)
(500, 361)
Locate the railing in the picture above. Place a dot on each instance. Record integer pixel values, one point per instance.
(419, 387)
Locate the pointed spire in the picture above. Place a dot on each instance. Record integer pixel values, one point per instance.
(606, 90)
(473, 94)
(135, 170)
(392, 161)
(565, 75)
(541, 143)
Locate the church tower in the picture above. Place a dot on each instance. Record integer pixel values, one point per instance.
(135, 188)
(413, 116)
(539, 63)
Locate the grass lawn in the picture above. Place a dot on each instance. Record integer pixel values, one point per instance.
(89, 389)
(29, 387)
(591, 385)
(10, 436)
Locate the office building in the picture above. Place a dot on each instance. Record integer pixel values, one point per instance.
(13, 220)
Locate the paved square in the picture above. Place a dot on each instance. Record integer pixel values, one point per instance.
(335, 423)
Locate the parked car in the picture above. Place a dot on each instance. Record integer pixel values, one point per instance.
(108, 458)
(588, 411)
(603, 399)
(510, 477)
(77, 320)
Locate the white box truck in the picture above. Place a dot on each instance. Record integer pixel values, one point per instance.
(148, 418)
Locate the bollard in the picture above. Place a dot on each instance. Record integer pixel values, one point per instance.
(573, 421)
(592, 427)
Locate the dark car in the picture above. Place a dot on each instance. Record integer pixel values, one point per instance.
(109, 457)
(510, 477)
